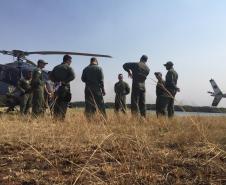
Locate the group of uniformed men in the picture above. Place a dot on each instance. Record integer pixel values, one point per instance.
(39, 93)
(55, 92)
(165, 89)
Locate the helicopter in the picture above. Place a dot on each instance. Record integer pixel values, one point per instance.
(11, 73)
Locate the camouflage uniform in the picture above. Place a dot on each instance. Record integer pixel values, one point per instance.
(93, 77)
(171, 86)
(37, 85)
(63, 94)
(24, 86)
(140, 71)
(121, 89)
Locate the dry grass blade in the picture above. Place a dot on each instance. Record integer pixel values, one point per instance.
(38, 153)
(123, 151)
(99, 146)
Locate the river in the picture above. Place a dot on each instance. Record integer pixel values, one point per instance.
(177, 113)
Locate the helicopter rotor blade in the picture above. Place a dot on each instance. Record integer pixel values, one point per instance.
(22, 54)
(4, 52)
(15, 53)
(29, 61)
(64, 53)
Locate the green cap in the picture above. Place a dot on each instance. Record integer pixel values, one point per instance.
(42, 62)
(169, 64)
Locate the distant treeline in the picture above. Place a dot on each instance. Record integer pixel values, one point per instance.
(186, 108)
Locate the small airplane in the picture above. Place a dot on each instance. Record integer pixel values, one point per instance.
(217, 94)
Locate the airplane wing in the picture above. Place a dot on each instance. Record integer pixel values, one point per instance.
(216, 100)
(216, 89)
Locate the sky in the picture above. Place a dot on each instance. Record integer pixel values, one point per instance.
(191, 33)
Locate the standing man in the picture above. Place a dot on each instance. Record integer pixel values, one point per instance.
(37, 85)
(121, 90)
(63, 74)
(138, 72)
(171, 87)
(49, 92)
(161, 95)
(93, 77)
(24, 86)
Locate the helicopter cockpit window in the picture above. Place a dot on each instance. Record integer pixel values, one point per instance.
(3, 74)
(9, 75)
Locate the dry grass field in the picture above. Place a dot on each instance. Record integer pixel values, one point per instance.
(121, 150)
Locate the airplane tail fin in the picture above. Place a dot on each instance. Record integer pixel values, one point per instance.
(218, 95)
(215, 87)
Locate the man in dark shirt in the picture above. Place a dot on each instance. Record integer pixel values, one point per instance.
(65, 74)
(138, 72)
(171, 86)
(93, 77)
(121, 90)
